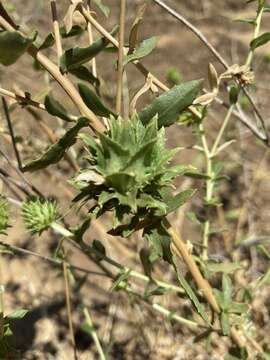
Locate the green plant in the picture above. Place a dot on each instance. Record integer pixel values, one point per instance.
(126, 169)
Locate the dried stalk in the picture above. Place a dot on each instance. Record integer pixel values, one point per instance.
(120, 69)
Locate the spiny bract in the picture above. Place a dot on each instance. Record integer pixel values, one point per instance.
(38, 214)
(128, 171)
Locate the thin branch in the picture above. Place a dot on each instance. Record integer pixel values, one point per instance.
(22, 100)
(61, 79)
(56, 30)
(10, 127)
(52, 261)
(120, 56)
(94, 333)
(69, 311)
(91, 39)
(195, 31)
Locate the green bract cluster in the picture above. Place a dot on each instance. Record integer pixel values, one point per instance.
(38, 214)
(3, 215)
(128, 173)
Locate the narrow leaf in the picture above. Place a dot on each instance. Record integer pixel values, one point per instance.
(169, 105)
(192, 295)
(83, 73)
(144, 49)
(17, 315)
(55, 152)
(93, 102)
(260, 40)
(74, 57)
(55, 108)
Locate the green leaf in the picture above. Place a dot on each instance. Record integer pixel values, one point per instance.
(144, 49)
(197, 175)
(223, 267)
(93, 102)
(12, 46)
(260, 40)
(55, 152)
(75, 57)
(246, 21)
(146, 262)
(169, 105)
(17, 315)
(103, 8)
(225, 325)
(122, 182)
(192, 295)
(160, 241)
(233, 94)
(85, 74)
(227, 289)
(121, 280)
(55, 108)
(173, 202)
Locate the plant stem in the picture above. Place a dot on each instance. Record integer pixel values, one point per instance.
(121, 44)
(56, 31)
(94, 334)
(91, 39)
(68, 306)
(65, 83)
(256, 31)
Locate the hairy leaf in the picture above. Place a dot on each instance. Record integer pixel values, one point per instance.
(55, 152)
(169, 105)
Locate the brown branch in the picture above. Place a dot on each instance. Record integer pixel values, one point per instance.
(120, 56)
(61, 79)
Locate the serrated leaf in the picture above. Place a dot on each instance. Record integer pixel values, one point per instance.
(144, 49)
(169, 105)
(122, 182)
(191, 294)
(55, 108)
(103, 8)
(93, 102)
(55, 152)
(17, 315)
(12, 46)
(75, 57)
(260, 41)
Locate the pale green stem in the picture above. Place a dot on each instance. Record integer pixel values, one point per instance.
(94, 334)
(256, 31)
(173, 316)
(132, 273)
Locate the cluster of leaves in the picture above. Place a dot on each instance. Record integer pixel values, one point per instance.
(128, 174)
(38, 214)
